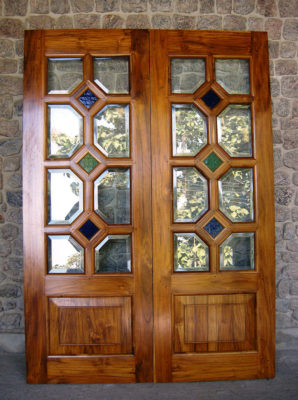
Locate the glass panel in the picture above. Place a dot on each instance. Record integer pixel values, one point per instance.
(190, 194)
(234, 130)
(88, 98)
(112, 74)
(237, 252)
(113, 254)
(212, 161)
(64, 74)
(213, 227)
(191, 253)
(65, 196)
(65, 255)
(236, 194)
(112, 196)
(111, 130)
(88, 229)
(65, 131)
(88, 163)
(189, 130)
(211, 99)
(233, 75)
(187, 74)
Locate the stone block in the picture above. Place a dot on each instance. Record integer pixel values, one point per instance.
(161, 5)
(283, 195)
(64, 22)
(282, 305)
(9, 232)
(160, 21)
(112, 21)
(8, 66)
(288, 8)
(290, 30)
(19, 47)
(6, 48)
(281, 107)
(243, 6)
(289, 231)
(15, 7)
(294, 108)
(289, 257)
(11, 28)
(78, 6)
(273, 27)
(40, 22)
(210, 22)
(295, 216)
(277, 157)
(60, 6)
(17, 247)
(15, 180)
(137, 21)
(224, 6)
(11, 85)
(11, 164)
(107, 5)
(134, 6)
(234, 22)
(273, 49)
(5, 249)
(295, 178)
(282, 213)
(284, 320)
(207, 6)
(287, 339)
(292, 271)
(87, 21)
(277, 139)
(39, 6)
(12, 343)
(6, 109)
(186, 6)
(10, 321)
(255, 24)
(292, 245)
(288, 49)
(285, 67)
(274, 87)
(18, 108)
(283, 288)
(14, 198)
(267, 8)
(291, 139)
(14, 215)
(289, 86)
(8, 128)
(10, 147)
(290, 159)
(294, 288)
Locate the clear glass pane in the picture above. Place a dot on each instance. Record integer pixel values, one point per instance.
(237, 252)
(65, 131)
(187, 74)
(112, 196)
(234, 130)
(189, 130)
(65, 196)
(65, 255)
(113, 254)
(112, 74)
(64, 74)
(236, 194)
(190, 194)
(190, 253)
(111, 130)
(233, 75)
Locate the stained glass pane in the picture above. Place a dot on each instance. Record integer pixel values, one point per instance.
(211, 99)
(65, 196)
(88, 163)
(190, 253)
(233, 75)
(64, 74)
(237, 252)
(189, 129)
(111, 130)
(187, 74)
(212, 161)
(88, 98)
(65, 255)
(113, 254)
(190, 194)
(88, 229)
(213, 227)
(112, 74)
(236, 194)
(112, 196)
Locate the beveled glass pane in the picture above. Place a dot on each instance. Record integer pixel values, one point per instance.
(190, 194)
(234, 130)
(65, 255)
(233, 75)
(64, 74)
(189, 130)
(113, 254)
(112, 74)
(112, 196)
(65, 131)
(236, 194)
(187, 74)
(190, 253)
(111, 130)
(237, 252)
(65, 196)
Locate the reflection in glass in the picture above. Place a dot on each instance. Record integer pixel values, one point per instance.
(64, 74)
(236, 194)
(189, 130)
(113, 254)
(233, 75)
(190, 253)
(65, 255)
(112, 196)
(65, 196)
(187, 74)
(234, 130)
(65, 131)
(190, 194)
(111, 130)
(112, 74)
(237, 252)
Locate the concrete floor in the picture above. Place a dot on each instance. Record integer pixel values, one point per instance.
(283, 387)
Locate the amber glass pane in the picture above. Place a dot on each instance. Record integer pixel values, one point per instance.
(64, 74)
(233, 75)
(187, 74)
(237, 252)
(190, 253)
(112, 74)
(113, 254)
(65, 255)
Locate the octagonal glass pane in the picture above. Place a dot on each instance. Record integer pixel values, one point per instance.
(189, 130)
(190, 253)
(112, 196)
(233, 75)
(113, 254)
(236, 194)
(65, 196)
(190, 194)
(187, 74)
(237, 252)
(64, 131)
(111, 130)
(112, 74)
(234, 130)
(64, 74)
(65, 255)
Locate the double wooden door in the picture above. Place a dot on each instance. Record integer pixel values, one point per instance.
(148, 206)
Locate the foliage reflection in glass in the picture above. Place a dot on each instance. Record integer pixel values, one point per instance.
(187, 74)
(64, 74)
(190, 253)
(237, 252)
(112, 74)
(65, 255)
(233, 75)
(113, 254)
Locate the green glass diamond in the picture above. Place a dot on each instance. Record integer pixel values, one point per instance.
(88, 163)
(212, 161)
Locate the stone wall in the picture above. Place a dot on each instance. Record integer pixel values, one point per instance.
(277, 17)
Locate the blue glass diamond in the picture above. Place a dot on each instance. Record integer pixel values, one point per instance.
(211, 99)
(89, 229)
(88, 98)
(213, 227)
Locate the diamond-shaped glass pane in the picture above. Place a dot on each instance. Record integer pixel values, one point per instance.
(187, 74)
(212, 161)
(190, 253)
(65, 196)
(88, 163)
(64, 131)
(233, 75)
(113, 254)
(213, 227)
(65, 255)
(189, 130)
(64, 74)
(236, 194)
(88, 98)
(190, 194)
(211, 99)
(112, 74)
(89, 229)
(237, 252)
(111, 130)
(112, 196)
